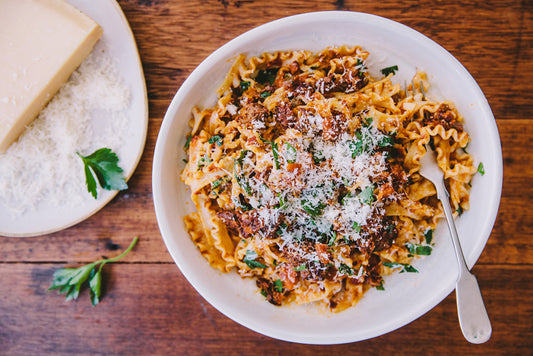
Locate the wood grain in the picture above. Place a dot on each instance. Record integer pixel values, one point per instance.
(174, 319)
(149, 308)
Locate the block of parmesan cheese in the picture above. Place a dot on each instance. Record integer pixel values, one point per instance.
(41, 43)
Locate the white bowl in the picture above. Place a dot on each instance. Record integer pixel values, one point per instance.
(407, 295)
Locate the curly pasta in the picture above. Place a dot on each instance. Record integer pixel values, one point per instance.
(305, 174)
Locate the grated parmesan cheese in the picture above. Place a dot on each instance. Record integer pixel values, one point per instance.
(87, 113)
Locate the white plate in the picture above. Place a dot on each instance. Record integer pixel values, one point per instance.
(407, 295)
(120, 44)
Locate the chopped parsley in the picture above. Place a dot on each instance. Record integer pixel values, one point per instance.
(481, 168)
(244, 85)
(215, 139)
(267, 76)
(301, 267)
(420, 250)
(367, 195)
(204, 161)
(249, 259)
(215, 184)
(405, 267)
(291, 153)
(275, 151)
(428, 235)
(459, 210)
(368, 121)
(187, 142)
(345, 269)
(278, 285)
(313, 210)
(388, 70)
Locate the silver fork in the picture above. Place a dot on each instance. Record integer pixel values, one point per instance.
(473, 317)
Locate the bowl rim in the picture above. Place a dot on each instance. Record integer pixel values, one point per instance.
(227, 51)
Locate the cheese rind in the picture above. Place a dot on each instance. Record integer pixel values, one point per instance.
(41, 43)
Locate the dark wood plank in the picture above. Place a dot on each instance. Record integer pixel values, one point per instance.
(137, 318)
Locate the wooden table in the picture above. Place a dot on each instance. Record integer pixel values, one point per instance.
(149, 308)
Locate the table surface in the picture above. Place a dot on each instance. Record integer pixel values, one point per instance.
(148, 307)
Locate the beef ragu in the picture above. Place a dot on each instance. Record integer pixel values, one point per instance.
(321, 195)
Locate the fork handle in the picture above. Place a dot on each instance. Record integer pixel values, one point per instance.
(473, 316)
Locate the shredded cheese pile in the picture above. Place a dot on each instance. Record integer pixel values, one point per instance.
(86, 114)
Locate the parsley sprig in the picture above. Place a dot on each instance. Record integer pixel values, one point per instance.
(103, 164)
(70, 280)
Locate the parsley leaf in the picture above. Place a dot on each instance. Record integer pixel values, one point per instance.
(291, 153)
(367, 195)
(249, 259)
(429, 236)
(388, 70)
(70, 280)
(244, 85)
(102, 163)
(380, 287)
(301, 267)
(368, 121)
(278, 285)
(215, 139)
(481, 168)
(268, 75)
(459, 210)
(345, 269)
(275, 151)
(405, 267)
(311, 209)
(188, 142)
(421, 250)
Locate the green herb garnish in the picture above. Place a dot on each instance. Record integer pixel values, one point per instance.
(218, 182)
(204, 161)
(481, 168)
(367, 195)
(459, 210)
(311, 209)
(368, 121)
(282, 201)
(243, 154)
(102, 163)
(380, 287)
(215, 139)
(70, 280)
(249, 259)
(301, 267)
(244, 85)
(265, 94)
(345, 269)
(188, 142)
(278, 285)
(291, 153)
(421, 250)
(388, 70)
(405, 267)
(267, 76)
(428, 235)
(356, 227)
(385, 141)
(275, 151)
